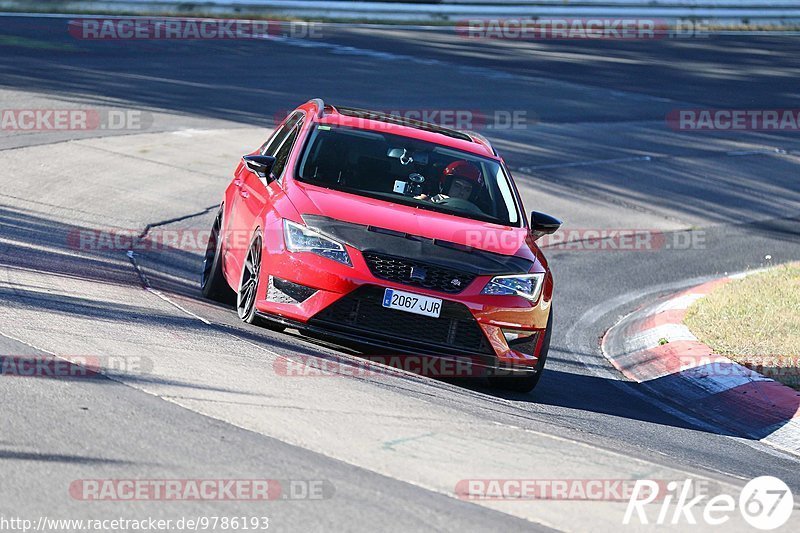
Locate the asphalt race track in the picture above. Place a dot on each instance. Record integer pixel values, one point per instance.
(388, 449)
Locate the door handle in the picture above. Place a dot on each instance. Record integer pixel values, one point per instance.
(237, 182)
(244, 194)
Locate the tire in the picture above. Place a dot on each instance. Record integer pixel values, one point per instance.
(212, 282)
(248, 281)
(527, 382)
(248, 287)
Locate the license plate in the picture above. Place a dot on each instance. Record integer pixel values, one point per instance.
(412, 303)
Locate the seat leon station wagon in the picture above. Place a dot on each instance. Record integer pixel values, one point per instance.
(386, 233)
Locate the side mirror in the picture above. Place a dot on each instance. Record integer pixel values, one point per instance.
(260, 165)
(542, 224)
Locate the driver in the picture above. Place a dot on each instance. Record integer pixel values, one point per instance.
(461, 180)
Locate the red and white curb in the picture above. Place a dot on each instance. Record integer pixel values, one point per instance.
(653, 346)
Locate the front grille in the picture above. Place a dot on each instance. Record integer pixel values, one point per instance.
(433, 277)
(455, 330)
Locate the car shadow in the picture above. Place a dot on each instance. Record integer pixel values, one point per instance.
(670, 401)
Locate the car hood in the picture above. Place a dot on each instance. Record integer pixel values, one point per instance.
(370, 224)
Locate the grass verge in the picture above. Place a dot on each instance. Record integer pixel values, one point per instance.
(755, 321)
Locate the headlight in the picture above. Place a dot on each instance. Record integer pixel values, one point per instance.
(526, 285)
(303, 239)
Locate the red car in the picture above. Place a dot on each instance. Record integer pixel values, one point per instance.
(390, 234)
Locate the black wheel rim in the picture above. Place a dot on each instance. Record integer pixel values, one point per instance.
(247, 288)
(211, 251)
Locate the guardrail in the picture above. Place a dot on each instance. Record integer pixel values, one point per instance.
(442, 10)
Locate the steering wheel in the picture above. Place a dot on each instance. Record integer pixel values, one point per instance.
(461, 205)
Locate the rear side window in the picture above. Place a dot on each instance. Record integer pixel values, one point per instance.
(282, 154)
(273, 144)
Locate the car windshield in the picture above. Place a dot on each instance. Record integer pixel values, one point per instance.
(408, 171)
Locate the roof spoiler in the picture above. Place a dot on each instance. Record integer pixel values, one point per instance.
(481, 139)
(320, 106)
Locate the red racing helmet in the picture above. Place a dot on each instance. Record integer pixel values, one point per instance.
(463, 170)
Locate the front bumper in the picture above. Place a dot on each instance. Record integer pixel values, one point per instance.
(491, 331)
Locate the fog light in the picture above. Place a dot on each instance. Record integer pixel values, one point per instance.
(523, 341)
(283, 291)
